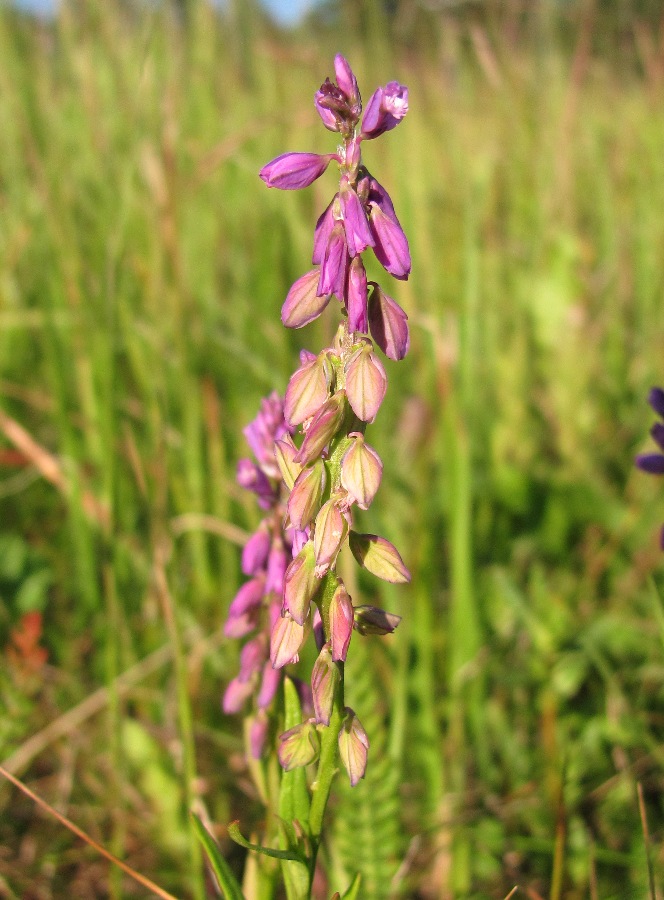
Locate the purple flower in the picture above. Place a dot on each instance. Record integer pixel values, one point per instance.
(236, 695)
(653, 463)
(323, 229)
(335, 262)
(339, 105)
(386, 108)
(358, 233)
(356, 297)
(388, 324)
(292, 171)
(255, 551)
(391, 245)
(266, 428)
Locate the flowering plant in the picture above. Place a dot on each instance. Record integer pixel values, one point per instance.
(654, 462)
(313, 467)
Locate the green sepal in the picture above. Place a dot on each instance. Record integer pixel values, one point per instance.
(236, 835)
(228, 884)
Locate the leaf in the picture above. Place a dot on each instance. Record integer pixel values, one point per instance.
(236, 835)
(353, 891)
(294, 796)
(225, 878)
(294, 804)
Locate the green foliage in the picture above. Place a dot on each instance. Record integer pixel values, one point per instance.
(227, 882)
(367, 833)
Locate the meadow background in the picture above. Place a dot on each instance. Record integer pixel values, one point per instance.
(142, 269)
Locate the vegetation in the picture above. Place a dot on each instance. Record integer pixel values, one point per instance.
(142, 268)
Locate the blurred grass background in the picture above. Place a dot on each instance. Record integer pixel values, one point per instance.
(142, 269)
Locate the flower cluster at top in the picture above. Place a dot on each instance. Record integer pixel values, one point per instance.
(327, 469)
(654, 462)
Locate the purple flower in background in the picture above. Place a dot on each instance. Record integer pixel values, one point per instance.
(265, 557)
(653, 463)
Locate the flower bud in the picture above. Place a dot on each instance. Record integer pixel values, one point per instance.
(305, 498)
(353, 747)
(361, 471)
(300, 584)
(307, 391)
(366, 383)
(285, 452)
(379, 557)
(285, 642)
(390, 243)
(255, 551)
(372, 620)
(329, 533)
(346, 80)
(341, 623)
(388, 323)
(356, 296)
(303, 304)
(324, 679)
(299, 746)
(322, 429)
(291, 171)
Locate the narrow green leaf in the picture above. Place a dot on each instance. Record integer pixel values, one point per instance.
(294, 795)
(294, 804)
(236, 835)
(223, 873)
(353, 891)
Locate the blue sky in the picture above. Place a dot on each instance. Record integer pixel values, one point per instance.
(287, 12)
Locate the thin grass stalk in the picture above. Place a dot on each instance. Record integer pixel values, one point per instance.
(185, 718)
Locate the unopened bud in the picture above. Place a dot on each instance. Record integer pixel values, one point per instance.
(372, 620)
(305, 498)
(378, 556)
(285, 452)
(285, 642)
(353, 747)
(361, 471)
(300, 584)
(366, 383)
(341, 623)
(329, 533)
(299, 746)
(307, 391)
(324, 679)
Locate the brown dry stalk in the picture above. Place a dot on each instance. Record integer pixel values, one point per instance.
(141, 879)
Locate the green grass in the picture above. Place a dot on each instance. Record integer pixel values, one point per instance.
(142, 268)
